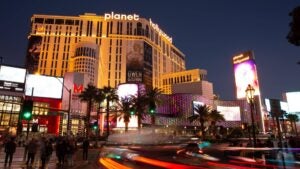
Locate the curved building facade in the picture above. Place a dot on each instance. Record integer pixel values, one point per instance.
(127, 48)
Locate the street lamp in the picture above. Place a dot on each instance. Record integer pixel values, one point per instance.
(250, 98)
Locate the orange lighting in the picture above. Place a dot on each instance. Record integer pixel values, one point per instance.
(162, 163)
(108, 163)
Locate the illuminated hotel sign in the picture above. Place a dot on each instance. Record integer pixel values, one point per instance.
(112, 15)
(160, 32)
(78, 88)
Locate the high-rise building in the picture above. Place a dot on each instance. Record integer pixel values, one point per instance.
(112, 48)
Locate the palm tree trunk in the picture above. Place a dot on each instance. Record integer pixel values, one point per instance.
(292, 125)
(88, 119)
(152, 120)
(126, 126)
(295, 123)
(139, 122)
(107, 117)
(202, 130)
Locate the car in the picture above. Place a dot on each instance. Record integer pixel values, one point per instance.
(189, 149)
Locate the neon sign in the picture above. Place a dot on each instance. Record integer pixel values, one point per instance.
(160, 32)
(112, 15)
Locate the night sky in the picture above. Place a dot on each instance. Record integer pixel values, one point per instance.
(209, 33)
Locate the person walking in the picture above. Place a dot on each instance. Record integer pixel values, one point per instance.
(61, 151)
(85, 149)
(46, 153)
(10, 148)
(70, 152)
(31, 151)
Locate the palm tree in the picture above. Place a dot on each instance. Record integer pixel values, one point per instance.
(110, 96)
(139, 103)
(153, 100)
(88, 95)
(99, 98)
(293, 118)
(126, 106)
(201, 115)
(215, 116)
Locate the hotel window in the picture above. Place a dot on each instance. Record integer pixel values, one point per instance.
(139, 28)
(38, 20)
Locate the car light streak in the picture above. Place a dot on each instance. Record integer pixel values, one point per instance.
(108, 163)
(162, 163)
(229, 166)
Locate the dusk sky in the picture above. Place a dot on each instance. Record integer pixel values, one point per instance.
(209, 33)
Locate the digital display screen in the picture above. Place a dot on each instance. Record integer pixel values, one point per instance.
(126, 90)
(44, 86)
(293, 101)
(245, 74)
(12, 74)
(195, 104)
(230, 113)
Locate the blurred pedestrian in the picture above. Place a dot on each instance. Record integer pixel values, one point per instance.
(70, 152)
(31, 151)
(85, 149)
(46, 153)
(61, 151)
(10, 148)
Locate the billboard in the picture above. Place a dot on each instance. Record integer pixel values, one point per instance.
(44, 86)
(195, 104)
(293, 101)
(230, 113)
(12, 78)
(33, 53)
(126, 90)
(134, 61)
(245, 73)
(147, 73)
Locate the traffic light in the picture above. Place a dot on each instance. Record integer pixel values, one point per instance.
(132, 111)
(27, 110)
(152, 108)
(95, 125)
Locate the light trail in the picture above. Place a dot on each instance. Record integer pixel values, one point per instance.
(109, 163)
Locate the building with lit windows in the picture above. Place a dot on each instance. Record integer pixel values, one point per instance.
(187, 76)
(111, 48)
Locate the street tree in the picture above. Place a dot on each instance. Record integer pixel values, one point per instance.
(153, 100)
(201, 115)
(293, 118)
(88, 95)
(110, 95)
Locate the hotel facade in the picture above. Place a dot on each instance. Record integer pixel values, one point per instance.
(111, 49)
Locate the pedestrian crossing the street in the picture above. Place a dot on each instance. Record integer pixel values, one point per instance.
(19, 161)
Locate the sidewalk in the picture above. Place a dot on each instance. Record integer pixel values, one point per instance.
(20, 163)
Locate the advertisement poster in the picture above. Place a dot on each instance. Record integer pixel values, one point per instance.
(245, 73)
(33, 53)
(134, 62)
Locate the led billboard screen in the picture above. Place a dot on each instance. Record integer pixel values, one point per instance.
(33, 53)
(44, 86)
(126, 90)
(12, 78)
(230, 113)
(293, 101)
(245, 73)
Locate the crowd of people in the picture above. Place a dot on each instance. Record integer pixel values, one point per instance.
(42, 148)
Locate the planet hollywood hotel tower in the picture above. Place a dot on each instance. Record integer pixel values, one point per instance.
(111, 49)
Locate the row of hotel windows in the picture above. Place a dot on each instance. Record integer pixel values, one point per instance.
(85, 51)
(56, 21)
(139, 30)
(187, 78)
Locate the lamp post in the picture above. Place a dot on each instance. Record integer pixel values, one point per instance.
(250, 98)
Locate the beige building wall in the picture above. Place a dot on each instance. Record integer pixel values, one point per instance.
(188, 76)
(203, 88)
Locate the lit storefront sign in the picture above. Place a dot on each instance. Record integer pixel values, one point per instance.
(160, 32)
